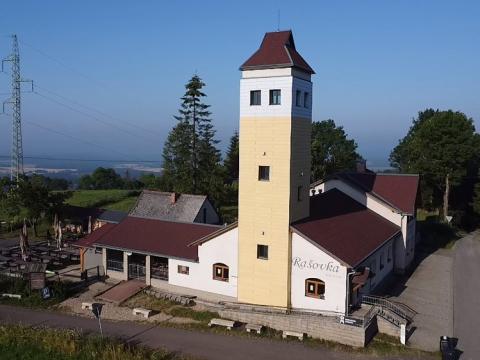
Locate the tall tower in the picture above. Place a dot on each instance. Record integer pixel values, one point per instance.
(16, 168)
(275, 128)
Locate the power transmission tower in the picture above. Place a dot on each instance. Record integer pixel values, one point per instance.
(16, 168)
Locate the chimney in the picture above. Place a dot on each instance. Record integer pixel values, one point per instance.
(174, 197)
(361, 165)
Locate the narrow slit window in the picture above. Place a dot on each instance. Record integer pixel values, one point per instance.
(306, 100)
(298, 98)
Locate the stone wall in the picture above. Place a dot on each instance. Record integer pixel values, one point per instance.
(386, 327)
(320, 327)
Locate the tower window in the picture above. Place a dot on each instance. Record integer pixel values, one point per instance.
(275, 97)
(306, 99)
(255, 97)
(264, 173)
(299, 193)
(298, 98)
(262, 252)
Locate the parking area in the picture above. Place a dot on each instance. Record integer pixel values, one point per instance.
(429, 291)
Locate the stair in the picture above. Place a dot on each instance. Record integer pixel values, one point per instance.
(392, 311)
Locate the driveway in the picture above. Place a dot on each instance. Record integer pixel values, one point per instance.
(429, 291)
(199, 344)
(467, 296)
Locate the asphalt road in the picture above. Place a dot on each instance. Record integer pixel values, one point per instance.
(466, 298)
(199, 344)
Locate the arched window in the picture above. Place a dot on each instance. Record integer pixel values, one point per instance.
(315, 288)
(220, 272)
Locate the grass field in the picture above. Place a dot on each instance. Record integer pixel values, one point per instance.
(121, 200)
(19, 342)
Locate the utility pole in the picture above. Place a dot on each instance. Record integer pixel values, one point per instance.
(16, 169)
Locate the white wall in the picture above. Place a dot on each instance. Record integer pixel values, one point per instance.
(373, 262)
(288, 86)
(92, 259)
(308, 261)
(367, 200)
(222, 249)
(404, 246)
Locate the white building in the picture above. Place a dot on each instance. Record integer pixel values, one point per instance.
(290, 250)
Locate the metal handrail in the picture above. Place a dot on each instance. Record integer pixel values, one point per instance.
(368, 317)
(404, 313)
(114, 265)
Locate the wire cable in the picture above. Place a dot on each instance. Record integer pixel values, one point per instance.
(149, 131)
(108, 123)
(73, 137)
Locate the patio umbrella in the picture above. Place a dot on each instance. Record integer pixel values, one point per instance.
(24, 241)
(89, 224)
(59, 238)
(55, 226)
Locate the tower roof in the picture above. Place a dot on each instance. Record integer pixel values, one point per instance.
(277, 51)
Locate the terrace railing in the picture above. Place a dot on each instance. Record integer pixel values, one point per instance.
(399, 309)
(114, 265)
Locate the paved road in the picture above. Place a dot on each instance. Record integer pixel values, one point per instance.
(467, 295)
(199, 344)
(429, 291)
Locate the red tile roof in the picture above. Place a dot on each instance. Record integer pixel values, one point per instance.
(88, 240)
(276, 51)
(156, 237)
(399, 190)
(344, 227)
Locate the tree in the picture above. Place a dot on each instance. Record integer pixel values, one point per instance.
(101, 179)
(331, 150)
(29, 199)
(440, 145)
(231, 162)
(191, 161)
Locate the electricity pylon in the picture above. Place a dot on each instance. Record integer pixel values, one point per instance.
(16, 169)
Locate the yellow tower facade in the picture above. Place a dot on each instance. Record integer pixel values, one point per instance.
(275, 130)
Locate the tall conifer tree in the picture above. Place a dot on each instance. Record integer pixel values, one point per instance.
(191, 159)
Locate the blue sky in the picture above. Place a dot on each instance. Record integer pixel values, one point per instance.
(377, 62)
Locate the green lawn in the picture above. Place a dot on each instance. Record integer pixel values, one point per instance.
(19, 342)
(121, 200)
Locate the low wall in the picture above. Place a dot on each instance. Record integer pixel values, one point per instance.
(386, 327)
(320, 327)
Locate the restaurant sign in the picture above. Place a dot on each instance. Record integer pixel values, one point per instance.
(302, 264)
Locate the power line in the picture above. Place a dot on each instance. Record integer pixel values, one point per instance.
(149, 131)
(61, 63)
(108, 123)
(74, 138)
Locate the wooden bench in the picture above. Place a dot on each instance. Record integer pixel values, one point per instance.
(229, 324)
(87, 306)
(13, 296)
(254, 327)
(292, 333)
(141, 311)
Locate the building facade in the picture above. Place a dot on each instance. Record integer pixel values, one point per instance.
(298, 246)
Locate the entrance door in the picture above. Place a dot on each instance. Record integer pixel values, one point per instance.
(136, 267)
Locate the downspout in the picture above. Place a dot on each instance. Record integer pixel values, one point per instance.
(348, 291)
